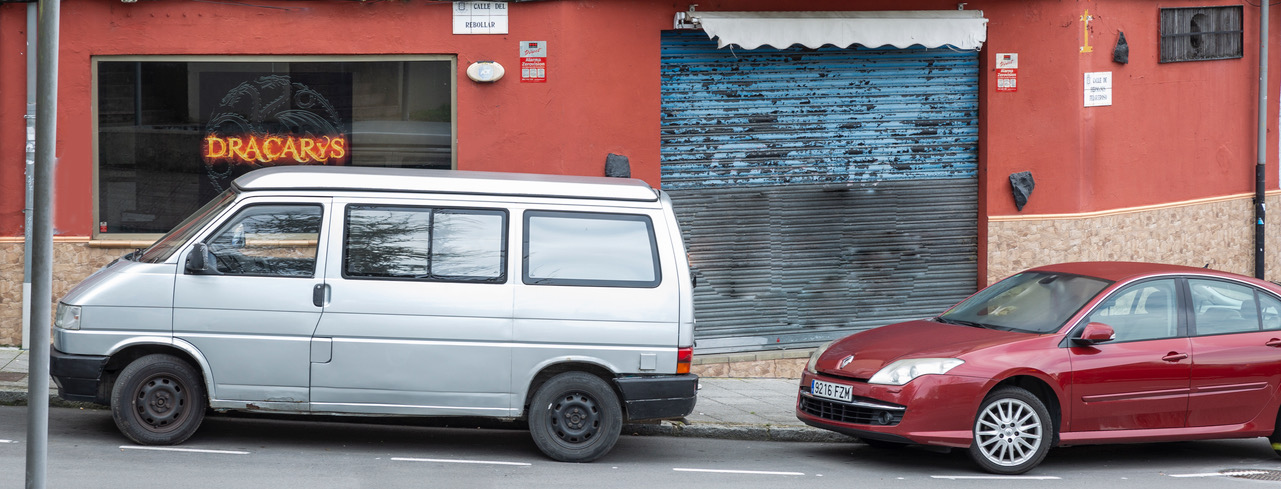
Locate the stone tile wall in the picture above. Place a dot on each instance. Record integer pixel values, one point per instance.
(1216, 233)
(72, 262)
(785, 364)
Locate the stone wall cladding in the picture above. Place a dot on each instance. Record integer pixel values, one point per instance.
(1219, 234)
(72, 263)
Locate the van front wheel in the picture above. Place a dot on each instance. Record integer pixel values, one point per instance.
(575, 417)
(158, 400)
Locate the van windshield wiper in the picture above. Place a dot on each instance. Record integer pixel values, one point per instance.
(961, 322)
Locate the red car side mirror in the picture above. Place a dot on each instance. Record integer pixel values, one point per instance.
(1095, 333)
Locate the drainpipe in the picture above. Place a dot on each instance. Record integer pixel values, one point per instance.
(1260, 174)
(30, 175)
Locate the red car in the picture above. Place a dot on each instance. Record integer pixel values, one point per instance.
(1071, 354)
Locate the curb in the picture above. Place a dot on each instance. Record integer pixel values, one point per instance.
(14, 398)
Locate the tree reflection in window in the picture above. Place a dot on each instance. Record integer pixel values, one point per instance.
(425, 243)
(269, 240)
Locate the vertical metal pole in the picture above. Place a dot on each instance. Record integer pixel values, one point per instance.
(42, 245)
(1260, 166)
(30, 176)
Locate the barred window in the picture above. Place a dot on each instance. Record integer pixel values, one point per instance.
(1201, 33)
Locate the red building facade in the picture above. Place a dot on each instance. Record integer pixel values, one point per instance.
(151, 94)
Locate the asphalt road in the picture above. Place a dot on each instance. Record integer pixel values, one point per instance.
(86, 451)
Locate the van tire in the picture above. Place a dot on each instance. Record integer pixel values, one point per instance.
(158, 400)
(575, 417)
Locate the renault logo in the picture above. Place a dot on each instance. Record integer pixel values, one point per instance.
(845, 361)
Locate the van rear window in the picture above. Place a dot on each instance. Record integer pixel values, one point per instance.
(590, 249)
(423, 243)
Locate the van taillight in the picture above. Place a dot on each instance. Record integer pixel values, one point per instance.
(683, 357)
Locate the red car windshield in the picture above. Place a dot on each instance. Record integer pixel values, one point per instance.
(1034, 302)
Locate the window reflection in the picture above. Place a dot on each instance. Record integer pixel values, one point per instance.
(425, 243)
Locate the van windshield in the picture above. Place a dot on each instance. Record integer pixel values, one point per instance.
(169, 243)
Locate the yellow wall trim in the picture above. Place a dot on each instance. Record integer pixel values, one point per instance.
(1127, 210)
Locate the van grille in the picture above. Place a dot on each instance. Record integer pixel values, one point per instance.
(848, 413)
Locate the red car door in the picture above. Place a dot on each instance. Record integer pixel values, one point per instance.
(1236, 364)
(1140, 379)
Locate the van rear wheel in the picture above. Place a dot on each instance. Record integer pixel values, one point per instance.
(575, 417)
(158, 400)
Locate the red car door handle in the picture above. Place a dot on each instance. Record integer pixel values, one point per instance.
(1274, 342)
(1174, 356)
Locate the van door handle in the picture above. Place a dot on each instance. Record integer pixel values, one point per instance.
(1174, 356)
(320, 295)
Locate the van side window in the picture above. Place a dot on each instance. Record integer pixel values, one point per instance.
(268, 240)
(579, 248)
(423, 243)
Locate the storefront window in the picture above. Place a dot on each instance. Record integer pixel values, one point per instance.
(173, 134)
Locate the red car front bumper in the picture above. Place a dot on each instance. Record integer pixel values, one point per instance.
(929, 410)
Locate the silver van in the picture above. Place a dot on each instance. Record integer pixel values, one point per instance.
(563, 301)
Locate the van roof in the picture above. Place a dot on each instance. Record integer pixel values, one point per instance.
(379, 179)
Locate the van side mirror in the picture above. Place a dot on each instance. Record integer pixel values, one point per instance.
(200, 261)
(1095, 333)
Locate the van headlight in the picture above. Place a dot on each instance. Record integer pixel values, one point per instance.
(903, 371)
(68, 317)
(809, 367)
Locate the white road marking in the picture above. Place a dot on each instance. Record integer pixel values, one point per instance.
(997, 477)
(750, 472)
(8, 441)
(454, 461)
(188, 450)
(1229, 473)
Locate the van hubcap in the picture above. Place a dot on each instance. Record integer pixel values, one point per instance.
(160, 401)
(575, 418)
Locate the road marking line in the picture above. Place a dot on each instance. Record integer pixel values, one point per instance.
(454, 461)
(189, 450)
(1229, 473)
(8, 441)
(997, 477)
(752, 472)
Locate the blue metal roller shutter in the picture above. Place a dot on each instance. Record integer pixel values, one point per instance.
(821, 191)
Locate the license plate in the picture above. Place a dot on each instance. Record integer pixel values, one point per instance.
(832, 391)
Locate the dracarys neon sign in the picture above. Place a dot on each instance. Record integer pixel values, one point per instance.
(269, 149)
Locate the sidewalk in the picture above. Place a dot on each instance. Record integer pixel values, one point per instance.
(731, 408)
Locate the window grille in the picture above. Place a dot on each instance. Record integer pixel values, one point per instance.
(1201, 33)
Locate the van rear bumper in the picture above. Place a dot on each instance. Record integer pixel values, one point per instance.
(658, 396)
(78, 376)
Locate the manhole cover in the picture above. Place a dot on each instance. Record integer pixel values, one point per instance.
(12, 376)
(1253, 474)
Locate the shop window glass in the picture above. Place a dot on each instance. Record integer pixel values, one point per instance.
(172, 135)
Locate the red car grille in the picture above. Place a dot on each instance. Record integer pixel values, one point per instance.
(850, 413)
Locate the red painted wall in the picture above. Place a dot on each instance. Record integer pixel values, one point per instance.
(1175, 132)
(13, 105)
(602, 93)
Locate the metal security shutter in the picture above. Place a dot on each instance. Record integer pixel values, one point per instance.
(820, 191)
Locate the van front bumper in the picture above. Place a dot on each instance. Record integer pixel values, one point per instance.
(79, 377)
(658, 396)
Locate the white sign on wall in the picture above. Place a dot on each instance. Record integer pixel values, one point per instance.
(1098, 89)
(480, 17)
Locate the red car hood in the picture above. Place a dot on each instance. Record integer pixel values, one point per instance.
(876, 348)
